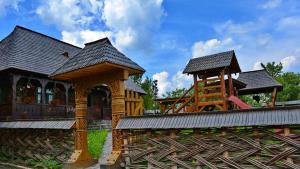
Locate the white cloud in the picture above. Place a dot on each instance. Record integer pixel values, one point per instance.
(229, 27)
(288, 61)
(78, 38)
(264, 39)
(8, 4)
(133, 21)
(178, 81)
(257, 66)
(181, 80)
(270, 4)
(163, 84)
(69, 14)
(212, 46)
(290, 23)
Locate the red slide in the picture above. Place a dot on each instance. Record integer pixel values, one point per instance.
(239, 102)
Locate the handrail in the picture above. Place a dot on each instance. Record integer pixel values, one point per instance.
(184, 104)
(174, 104)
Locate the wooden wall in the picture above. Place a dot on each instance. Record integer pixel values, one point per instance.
(134, 105)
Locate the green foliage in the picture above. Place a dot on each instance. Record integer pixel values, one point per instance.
(291, 86)
(137, 79)
(96, 139)
(175, 93)
(146, 84)
(289, 80)
(51, 164)
(273, 69)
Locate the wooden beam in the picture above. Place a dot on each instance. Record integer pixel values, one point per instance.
(230, 83)
(196, 92)
(274, 95)
(223, 89)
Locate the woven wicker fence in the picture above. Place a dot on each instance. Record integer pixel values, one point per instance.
(19, 145)
(240, 147)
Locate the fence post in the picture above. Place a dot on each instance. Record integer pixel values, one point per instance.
(224, 133)
(126, 151)
(148, 133)
(287, 132)
(196, 133)
(256, 138)
(173, 136)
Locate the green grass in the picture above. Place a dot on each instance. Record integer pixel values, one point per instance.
(96, 139)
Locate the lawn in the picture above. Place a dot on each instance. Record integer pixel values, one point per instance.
(96, 139)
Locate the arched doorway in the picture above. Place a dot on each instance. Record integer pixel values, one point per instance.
(99, 103)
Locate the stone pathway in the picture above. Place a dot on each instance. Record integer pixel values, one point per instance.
(107, 148)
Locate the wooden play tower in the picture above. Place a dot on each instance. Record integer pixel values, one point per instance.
(210, 91)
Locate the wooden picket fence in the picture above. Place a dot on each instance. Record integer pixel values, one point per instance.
(240, 147)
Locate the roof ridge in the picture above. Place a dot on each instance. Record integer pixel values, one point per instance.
(26, 29)
(210, 55)
(253, 71)
(99, 40)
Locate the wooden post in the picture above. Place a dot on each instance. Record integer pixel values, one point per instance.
(173, 136)
(128, 111)
(230, 83)
(132, 103)
(14, 79)
(126, 151)
(223, 90)
(81, 122)
(274, 95)
(148, 133)
(226, 153)
(196, 133)
(118, 111)
(256, 138)
(287, 132)
(196, 92)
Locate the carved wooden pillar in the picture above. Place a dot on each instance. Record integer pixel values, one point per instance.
(118, 111)
(81, 121)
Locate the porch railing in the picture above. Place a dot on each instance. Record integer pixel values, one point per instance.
(43, 111)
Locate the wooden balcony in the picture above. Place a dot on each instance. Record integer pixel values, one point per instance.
(43, 111)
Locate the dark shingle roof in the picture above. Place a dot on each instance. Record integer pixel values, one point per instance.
(212, 62)
(28, 50)
(253, 117)
(257, 81)
(63, 124)
(97, 52)
(130, 85)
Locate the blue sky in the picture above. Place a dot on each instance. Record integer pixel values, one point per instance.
(162, 36)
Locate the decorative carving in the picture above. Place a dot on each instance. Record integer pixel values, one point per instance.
(82, 86)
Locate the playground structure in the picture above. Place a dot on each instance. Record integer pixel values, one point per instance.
(211, 91)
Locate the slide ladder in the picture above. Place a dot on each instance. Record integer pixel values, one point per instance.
(239, 102)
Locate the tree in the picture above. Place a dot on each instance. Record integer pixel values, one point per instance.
(291, 86)
(273, 69)
(137, 79)
(178, 92)
(148, 99)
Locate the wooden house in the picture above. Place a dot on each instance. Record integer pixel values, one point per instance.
(27, 58)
